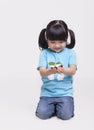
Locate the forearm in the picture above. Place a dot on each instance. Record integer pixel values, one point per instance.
(45, 73)
(69, 71)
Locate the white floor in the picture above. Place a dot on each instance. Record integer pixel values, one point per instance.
(19, 97)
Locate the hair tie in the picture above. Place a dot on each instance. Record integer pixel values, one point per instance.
(45, 35)
(69, 39)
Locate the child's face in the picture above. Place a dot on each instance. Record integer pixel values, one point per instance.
(56, 46)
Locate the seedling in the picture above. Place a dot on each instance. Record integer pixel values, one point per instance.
(55, 65)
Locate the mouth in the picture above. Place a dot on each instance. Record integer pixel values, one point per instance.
(57, 48)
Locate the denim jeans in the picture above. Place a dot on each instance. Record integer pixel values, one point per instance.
(62, 107)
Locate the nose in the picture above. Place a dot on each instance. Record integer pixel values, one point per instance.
(57, 45)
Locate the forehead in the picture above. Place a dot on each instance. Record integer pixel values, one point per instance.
(56, 41)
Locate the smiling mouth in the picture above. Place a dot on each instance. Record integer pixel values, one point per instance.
(57, 48)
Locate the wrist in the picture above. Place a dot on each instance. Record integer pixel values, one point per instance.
(48, 72)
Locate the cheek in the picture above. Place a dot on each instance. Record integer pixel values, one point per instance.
(50, 45)
(64, 45)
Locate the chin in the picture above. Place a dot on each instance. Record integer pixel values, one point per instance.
(58, 50)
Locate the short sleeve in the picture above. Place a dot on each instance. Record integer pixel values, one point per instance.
(72, 58)
(42, 59)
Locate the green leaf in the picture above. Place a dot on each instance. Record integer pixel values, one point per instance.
(52, 63)
(58, 63)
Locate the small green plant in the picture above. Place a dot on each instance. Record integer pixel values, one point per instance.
(57, 64)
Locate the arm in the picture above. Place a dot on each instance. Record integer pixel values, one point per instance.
(44, 72)
(69, 71)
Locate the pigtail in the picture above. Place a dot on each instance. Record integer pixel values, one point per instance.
(42, 42)
(72, 39)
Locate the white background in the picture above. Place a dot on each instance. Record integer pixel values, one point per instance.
(20, 24)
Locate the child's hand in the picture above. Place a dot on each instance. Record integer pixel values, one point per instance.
(53, 70)
(60, 69)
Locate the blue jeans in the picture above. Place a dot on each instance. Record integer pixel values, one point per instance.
(62, 107)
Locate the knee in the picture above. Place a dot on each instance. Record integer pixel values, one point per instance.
(65, 116)
(43, 115)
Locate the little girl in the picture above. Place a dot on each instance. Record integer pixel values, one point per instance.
(57, 65)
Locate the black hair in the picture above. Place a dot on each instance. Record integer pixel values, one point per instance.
(56, 30)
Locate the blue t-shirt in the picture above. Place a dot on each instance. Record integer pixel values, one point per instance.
(57, 85)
